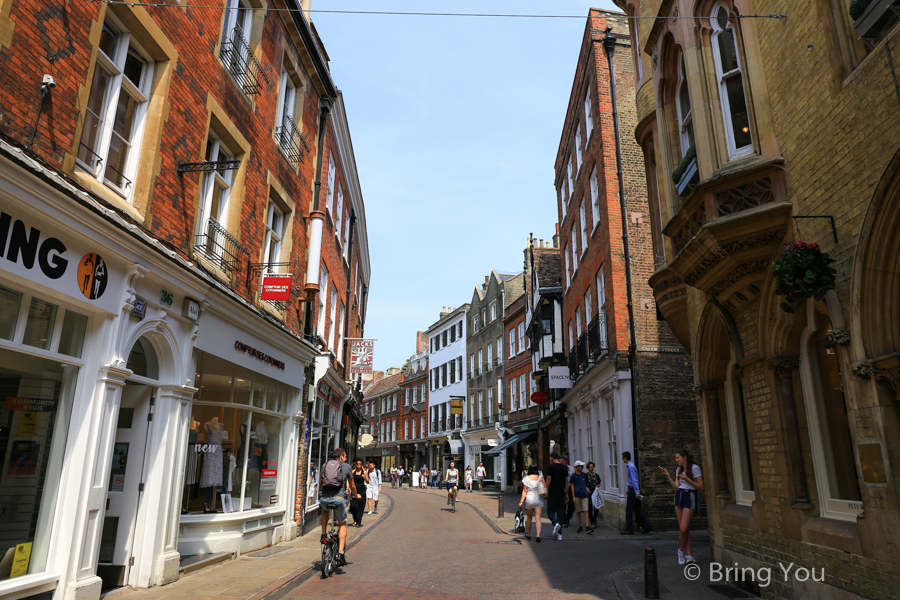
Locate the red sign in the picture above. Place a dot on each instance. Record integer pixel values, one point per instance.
(30, 404)
(270, 472)
(273, 499)
(276, 288)
(361, 357)
(540, 397)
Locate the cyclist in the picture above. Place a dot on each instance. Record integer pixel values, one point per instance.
(336, 485)
(451, 478)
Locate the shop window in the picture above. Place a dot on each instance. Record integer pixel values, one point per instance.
(683, 109)
(39, 327)
(10, 304)
(142, 360)
(116, 109)
(829, 428)
(235, 448)
(42, 328)
(34, 422)
(731, 83)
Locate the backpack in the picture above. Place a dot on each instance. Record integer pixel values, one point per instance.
(333, 474)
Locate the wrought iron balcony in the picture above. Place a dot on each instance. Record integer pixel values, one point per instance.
(573, 363)
(598, 342)
(218, 246)
(584, 361)
(240, 62)
(294, 144)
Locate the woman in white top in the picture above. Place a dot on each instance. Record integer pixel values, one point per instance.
(532, 500)
(469, 478)
(687, 483)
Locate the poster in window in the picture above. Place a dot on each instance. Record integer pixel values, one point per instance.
(29, 423)
(23, 458)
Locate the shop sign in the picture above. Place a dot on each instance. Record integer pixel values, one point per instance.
(493, 442)
(139, 309)
(30, 404)
(270, 472)
(190, 309)
(273, 499)
(267, 483)
(334, 400)
(540, 397)
(20, 560)
(242, 347)
(323, 390)
(361, 356)
(276, 288)
(559, 378)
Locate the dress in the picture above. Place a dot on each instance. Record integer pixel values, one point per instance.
(532, 497)
(211, 474)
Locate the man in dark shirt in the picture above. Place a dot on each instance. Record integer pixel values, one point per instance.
(579, 495)
(556, 480)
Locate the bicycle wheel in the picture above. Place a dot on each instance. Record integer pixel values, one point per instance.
(328, 558)
(453, 502)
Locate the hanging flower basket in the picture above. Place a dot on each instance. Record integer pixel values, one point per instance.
(802, 272)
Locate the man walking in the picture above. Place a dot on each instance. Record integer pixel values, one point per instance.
(373, 488)
(480, 474)
(336, 484)
(633, 500)
(423, 477)
(556, 480)
(570, 506)
(578, 491)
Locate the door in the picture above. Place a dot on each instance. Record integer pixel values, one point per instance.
(125, 486)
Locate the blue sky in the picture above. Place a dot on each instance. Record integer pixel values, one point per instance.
(455, 125)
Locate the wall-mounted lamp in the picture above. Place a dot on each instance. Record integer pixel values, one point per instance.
(47, 84)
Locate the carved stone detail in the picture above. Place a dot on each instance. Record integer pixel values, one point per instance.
(755, 193)
(671, 296)
(837, 337)
(717, 253)
(737, 373)
(784, 365)
(737, 274)
(690, 229)
(890, 376)
(862, 369)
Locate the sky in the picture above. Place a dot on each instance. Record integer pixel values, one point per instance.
(455, 125)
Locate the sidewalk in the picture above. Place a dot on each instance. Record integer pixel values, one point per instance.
(254, 575)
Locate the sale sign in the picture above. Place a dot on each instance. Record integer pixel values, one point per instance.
(361, 356)
(276, 288)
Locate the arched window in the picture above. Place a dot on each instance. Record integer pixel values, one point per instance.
(683, 109)
(142, 359)
(829, 426)
(731, 84)
(739, 437)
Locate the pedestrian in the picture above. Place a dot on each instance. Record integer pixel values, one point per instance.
(393, 477)
(556, 478)
(434, 478)
(633, 499)
(336, 485)
(570, 506)
(578, 492)
(373, 488)
(358, 502)
(688, 481)
(480, 474)
(469, 479)
(423, 477)
(593, 482)
(400, 473)
(531, 498)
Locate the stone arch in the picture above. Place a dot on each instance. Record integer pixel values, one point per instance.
(875, 325)
(164, 343)
(717, 339)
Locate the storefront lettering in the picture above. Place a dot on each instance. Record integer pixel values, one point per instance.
(25, 246)
(30, 404)
(205, 447)
(242, 347)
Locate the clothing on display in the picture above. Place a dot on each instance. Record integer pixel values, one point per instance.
(211, 473)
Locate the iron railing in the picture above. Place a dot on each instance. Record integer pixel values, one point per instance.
(581, 347)
(598, 342)
(294, 144)
(220, 247)
(240, 62)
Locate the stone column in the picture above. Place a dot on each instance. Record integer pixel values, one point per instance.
(784, 367)
(710, 390)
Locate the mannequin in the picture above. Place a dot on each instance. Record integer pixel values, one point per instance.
(211, 474)
(262, 445)
(190, 463)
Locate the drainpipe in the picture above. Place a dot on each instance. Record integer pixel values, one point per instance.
(349, 275)
(316, 224)
(609, 44)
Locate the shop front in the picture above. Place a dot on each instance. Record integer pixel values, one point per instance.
(478, 445)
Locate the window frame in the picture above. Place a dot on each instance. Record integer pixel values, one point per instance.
(588, 115)
(685, 121)
(721, 80)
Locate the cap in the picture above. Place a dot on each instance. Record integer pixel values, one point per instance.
(564, 457)
(579, 463)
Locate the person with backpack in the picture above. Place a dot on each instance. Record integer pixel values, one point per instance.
(336, 485)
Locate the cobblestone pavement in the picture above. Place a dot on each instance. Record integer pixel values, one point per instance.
(416, 548)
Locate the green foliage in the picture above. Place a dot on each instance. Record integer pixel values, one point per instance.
(690, 155)
(858, 7)
(802, 272)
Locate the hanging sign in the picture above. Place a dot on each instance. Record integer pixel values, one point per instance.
(559, 378)
(540, 397)
(276, 288)
(361, 356)
(456, 407)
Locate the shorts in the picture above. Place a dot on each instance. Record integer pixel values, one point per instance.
(372, 494)
(450, 486)
(335, 504)
(581, 504)
(480, 480)
(687, 499)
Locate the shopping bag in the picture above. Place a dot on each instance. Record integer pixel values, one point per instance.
(597, 499)
(520, 520)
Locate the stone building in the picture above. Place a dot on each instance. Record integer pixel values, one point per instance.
(631, 378)
(757, 133)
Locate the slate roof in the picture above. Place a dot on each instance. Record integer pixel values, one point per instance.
(548, 267)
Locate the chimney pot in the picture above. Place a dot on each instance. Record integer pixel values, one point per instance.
(557, 228)
(487, 278)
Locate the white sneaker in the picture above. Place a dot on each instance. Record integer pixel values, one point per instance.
(555, 529)
(680, 557)
(559, 537)
(369, 513)
(689, 559)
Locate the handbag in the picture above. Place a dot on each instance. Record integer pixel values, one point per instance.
(542, 489)
(520, 520)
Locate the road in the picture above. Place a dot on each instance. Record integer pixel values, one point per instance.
(421, 550)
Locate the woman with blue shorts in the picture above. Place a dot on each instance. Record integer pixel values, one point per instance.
(688, 483)
(451, 478)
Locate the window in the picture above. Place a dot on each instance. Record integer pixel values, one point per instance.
(571, 188)
(475, 324)
(584, 231)
(323, 290)
(472, 364)
(452, 334)
(526, 401)
(612, 482)
(116, 109)
(480, 363)
(571, 337)
(287, 132)
(731, 84)
(574, 249)
(636, 44)
(490, 359)
(601, 307)
(595, 198)
(484, 319)
(523, 340)
(215, 193)
(274, 233)
(338, 210)
(444, 375)
(346, 236)
(562, 202)
(340, 334)
(393, 431)
(459, 366)
(480, 405)
(493, 310)
(512, 343)
(499, 350)
(491, 410)
(330, 189)
(444, 339)
(739, 439)
(406, 429)
(578, 321)
(513, 395)
(588, 113)
(334, 325)
(453, 372)
(578, 156)
(459, 332)
(588, 309)
(683, 109)
(568, 268)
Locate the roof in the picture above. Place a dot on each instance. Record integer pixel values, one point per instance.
(547, 267)
(382, 385)
(513, 289)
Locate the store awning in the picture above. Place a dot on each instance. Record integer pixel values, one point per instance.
(456, 446)
(508, 443)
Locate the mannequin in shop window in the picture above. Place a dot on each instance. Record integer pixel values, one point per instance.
(262, 445)
(211, 473)
(190, 463)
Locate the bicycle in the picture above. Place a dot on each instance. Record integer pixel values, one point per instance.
(453, 500)
(330, 551)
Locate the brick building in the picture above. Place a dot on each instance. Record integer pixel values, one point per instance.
(157, 164)
(797, 406)
(631, 378)
(381, 406)
(413, 427)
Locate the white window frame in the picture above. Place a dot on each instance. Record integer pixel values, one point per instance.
(571, 188)
(560, 192)
(578, 328)
(685, 121)
(601, 304)
(212, 183)
(584, 232)
(287, 97)
(721, 78)
(613, 484)
(332, 171)
(513, 394)
(323, 290)
(739, 459)
(571, 337)
(636, 45)
(334, 296)
(588, 306)
(338, 211)
(116, 85)
(523, 339)
(238, 15)
(588, 114)
(595, 199)
(512, 343)
(499, 350)
(578, 155)
(574, 246)
(275, 225)
(568, 268)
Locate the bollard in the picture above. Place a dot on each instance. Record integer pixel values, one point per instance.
(500, 506)
(651, 580)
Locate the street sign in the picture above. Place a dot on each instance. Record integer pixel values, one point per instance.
(456, 407)
(366, 439)
(540, 397)
(361, 357)
(276, 288)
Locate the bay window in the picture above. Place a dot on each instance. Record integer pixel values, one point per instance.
(683, 109)
(731, 83)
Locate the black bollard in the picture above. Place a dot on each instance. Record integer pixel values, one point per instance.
(651, 580)
(500, 506)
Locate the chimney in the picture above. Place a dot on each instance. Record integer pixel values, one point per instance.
(421, 342)
(556, 237)
(377, 376)
(541, 243)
